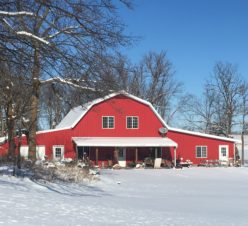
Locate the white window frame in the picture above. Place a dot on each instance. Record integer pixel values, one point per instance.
(62, 147)
(108, 116)
(131, 116)
(201, 146)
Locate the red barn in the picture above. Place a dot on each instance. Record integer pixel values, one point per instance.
(124, 128)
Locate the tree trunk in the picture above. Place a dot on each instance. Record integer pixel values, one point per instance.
(11, 127)
(34, 105)
(18, 160)
(11, 141)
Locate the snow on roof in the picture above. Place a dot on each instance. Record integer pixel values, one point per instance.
(204, 135)
(73, 116)
(124, 141)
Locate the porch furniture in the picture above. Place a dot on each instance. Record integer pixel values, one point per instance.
(149, 162)
(157, 163)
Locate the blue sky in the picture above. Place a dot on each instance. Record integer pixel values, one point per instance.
(195, 34)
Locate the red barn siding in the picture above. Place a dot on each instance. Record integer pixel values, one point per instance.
(60, 137)
(119, 107)
(187, 146)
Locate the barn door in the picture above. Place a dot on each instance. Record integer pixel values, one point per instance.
(223, 152)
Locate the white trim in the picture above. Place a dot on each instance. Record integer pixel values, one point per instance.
(132, 116)
(62, 152)
(52, 130)
(108, 116)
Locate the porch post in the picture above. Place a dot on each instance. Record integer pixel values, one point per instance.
(136, 155)
(97, 156)
(156, 153)
(116, 156)
(76, 152)
(175, 157)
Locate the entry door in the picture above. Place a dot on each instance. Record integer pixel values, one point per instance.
(223, 152)
(122, 157)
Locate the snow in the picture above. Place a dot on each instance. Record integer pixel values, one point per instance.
(2, 139)
(192, 196)
(21, 13)
(69, 82)
(24, 33)
(124, 141)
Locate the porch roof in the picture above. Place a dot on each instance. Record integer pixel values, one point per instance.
(124, 142)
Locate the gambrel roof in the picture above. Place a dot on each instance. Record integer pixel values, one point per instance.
(77, 113)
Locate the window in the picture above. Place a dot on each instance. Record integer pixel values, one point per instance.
(108, 122)
(223, 151)
(132, 122)
(201, 151)
(58, 152)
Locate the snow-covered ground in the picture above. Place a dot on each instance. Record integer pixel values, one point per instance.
(192, 196)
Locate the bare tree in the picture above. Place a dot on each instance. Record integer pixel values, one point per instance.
(56, 35)
(218, 111)
(153, 80)
(14, 101)
(226, 85)
(199, 112)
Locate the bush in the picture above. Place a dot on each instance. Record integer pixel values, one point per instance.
(131, 164)
(50, 171)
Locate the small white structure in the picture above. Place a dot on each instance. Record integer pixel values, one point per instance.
(239, 146)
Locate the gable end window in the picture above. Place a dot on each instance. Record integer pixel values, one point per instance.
(108, 122)
(132, 122)
(201, 152)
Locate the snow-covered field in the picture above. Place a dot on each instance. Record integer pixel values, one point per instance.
(194, 196)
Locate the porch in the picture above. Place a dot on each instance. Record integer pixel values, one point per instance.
(108, 151)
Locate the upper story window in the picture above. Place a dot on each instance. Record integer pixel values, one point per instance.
(132, 122)
(108, 122)
(201, 151)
